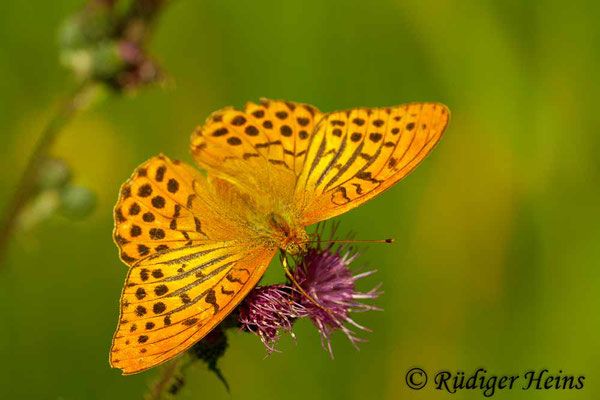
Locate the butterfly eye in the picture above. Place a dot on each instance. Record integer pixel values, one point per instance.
(292, 248)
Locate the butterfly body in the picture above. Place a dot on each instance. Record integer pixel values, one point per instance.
(196, 244)
(267, 220)
(290, 236)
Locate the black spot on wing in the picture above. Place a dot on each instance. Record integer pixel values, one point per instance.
(160, 173)
(211, 299)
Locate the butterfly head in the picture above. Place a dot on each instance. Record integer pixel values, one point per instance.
(294, 248)
(295, 242)
(292, 237)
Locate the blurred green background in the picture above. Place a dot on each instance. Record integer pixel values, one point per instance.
(497, 257)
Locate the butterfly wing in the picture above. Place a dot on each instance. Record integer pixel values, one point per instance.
(356, 154)
(261, 149)
(165, 204)
(289, 123)
(173, 299)
(348, 158)
(192, 258)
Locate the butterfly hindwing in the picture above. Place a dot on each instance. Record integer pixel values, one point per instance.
(290, 124)
(154, 211)
(173, 299)
(163, 206)
(355, 155)
(261, 148)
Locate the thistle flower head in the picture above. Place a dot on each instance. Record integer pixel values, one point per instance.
(267, 311)
(325, 275)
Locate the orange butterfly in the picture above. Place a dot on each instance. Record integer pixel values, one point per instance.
(197, 244)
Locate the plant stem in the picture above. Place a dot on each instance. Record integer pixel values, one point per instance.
(26, 185)
(164, 382)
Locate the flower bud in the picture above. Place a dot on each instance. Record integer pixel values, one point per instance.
(77, 201)
(54, 173)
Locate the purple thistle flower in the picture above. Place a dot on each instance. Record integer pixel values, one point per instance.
(325, 276)
(267, 311)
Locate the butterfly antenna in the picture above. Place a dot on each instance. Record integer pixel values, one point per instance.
(299, 288)
(353, 241)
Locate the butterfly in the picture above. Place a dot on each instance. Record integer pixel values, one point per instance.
(198, 242)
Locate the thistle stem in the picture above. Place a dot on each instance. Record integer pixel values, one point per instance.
(134, 26)
(26, 185)
(164, 381)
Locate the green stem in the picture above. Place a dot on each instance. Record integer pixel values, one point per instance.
(26, 185)
(164, 381)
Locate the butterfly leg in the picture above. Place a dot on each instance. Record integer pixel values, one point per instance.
(297, 285)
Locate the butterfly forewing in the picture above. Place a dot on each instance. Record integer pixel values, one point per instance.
(173, 299)
(355, 155)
